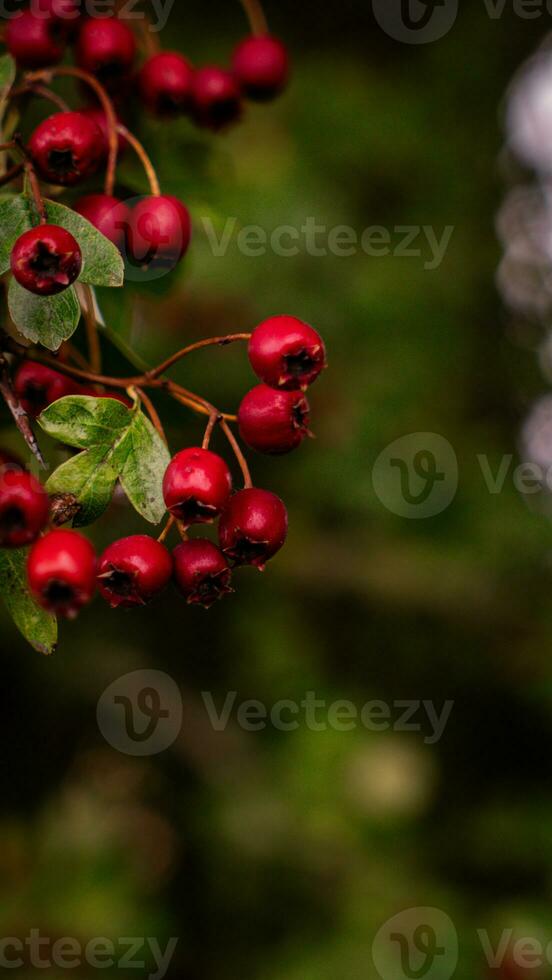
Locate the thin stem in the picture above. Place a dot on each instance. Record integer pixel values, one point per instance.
(11, 174)
(153, 414)
(149, 36)
(106, 103)
(166, 530)
(256, 16)
(248, 482)
(210, 342)
(43, 92)
(35, 190)
(182, 530)
(92, 336)
(140, 151)
(214, 418)
(20, 417)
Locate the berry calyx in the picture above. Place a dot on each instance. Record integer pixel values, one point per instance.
(165, 84)
(286, 353)
(46, 260)
(201, 572)
(196, 486)
(261, 65)
(35, 42)
(133, 571)
(273, 422)
(106, 48)
(253, 527)
(216, 98)
(37, 386)
(61, 570)
(108, 214)
(24, 509)
(160, 232)
(67, 147)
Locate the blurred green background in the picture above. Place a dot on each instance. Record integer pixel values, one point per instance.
(279, 855)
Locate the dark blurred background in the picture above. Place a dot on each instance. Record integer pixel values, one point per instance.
(279, 855)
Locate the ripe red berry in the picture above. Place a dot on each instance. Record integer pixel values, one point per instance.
(286, 353)
(216, 98)
(197, 486)
(106, 48)
(132, 571)
(66, 148)
(46, 260)
(97, 115)
(24, 509)
(261, 65)
(37, 386)
(273, 422)
(35, 42)
(108, 214)
(61, 570)
(160, 232)
(165, 84)
(201, 572)
(253, 527)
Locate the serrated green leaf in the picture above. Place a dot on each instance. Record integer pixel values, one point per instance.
(102, 263)
(46, 320)
(36, 625)
(119, 443)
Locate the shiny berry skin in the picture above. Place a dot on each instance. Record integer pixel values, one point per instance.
(46, 260)
(159, 233)
(261, 66)
(197, 486)
(35, 42)
(165, 84)
(66, 148)
(133, 571)
(286, 353)
(106, 48)
(38, 386)
(108, 214)
(253, 527)
(273, 422)
(61, 570)
(216, 98)
(24, 509)
(98, 116)
(201, 572)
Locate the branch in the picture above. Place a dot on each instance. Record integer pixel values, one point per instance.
(20, 416)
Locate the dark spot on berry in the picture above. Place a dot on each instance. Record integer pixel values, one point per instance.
(247, 552)
(299, 364)
(194, 512)
(120, 583)
(61, 161)
(44, 261)
(299, 415)
(59, 594)
(12, 519)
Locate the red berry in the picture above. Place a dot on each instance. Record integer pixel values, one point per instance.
(160, 232)
(106, 48)
(37, 386)
(253, 527)
(63, 10)
(201, 572)
(62, 572)
(35, 42)
(66, 148)
(197, 486)
(97, 115)
(286, 353)
(46, 260)
(107, 214)
(132, 571)
(216, 98)
(273, 422)
(261, 65)
(165, 83)
(24, 509)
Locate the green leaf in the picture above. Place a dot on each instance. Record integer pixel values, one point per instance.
(36, 625)
(119, 444)
(46, 320)
(102, 263)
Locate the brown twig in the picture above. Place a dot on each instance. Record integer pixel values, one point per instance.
(248, 482)
(144, 158)
(153, 414)
(20, 416)
(210, 342)
(91, 325)
(43, 92)
(256, 16)
(165, 532)
(214, 419)
(11, 174)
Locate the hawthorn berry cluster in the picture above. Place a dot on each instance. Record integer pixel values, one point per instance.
(49, 259)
